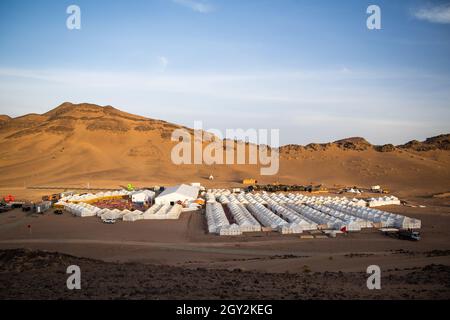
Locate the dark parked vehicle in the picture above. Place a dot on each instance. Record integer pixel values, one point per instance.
(43, 206)
(403, 234)
(27, 207)
(408, 234)
(16, 205)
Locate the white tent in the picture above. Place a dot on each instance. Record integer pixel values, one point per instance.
(181, 193)
(133, 216)
(143, 196)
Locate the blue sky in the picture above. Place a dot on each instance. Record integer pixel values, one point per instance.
(309, 68)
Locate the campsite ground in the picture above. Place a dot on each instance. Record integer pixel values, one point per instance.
(184, 245)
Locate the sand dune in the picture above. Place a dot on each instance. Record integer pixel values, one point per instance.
(73, 145)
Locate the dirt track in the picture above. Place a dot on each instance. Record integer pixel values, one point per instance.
(184, 243)
(177, 259)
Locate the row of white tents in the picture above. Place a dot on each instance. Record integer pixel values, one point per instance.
(217, 220)
(271, 220)
(79, 205)
(383, 201)
(244, 219)
(294, 198)
(352, 222)
(293, 216)
(278, 211)
(164, 211)
(160, 211)
(156, 212)
(323, 220)
(92, 197)
(386, 219)
(81, 209)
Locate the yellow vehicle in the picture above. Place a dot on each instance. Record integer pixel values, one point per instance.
(249, 181)
(52, 197)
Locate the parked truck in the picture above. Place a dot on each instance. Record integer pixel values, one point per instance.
(53, 197)
(43, 206)
(403, 234)
(27, 206)
(249, 181)
(409, 234)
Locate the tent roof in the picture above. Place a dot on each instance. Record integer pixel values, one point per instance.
(182, 189)
(147, 192)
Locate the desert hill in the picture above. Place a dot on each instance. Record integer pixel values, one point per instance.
(441, 142)
(4, 118)
(76, 144)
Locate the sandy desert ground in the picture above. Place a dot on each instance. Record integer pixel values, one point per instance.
(180, 252)
(74, 145)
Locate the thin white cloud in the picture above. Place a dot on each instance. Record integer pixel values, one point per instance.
(434, 14)
(196, 5)
(164, 62)
(337, 102)
(284, 87)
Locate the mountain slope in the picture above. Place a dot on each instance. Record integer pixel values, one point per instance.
(76, 144)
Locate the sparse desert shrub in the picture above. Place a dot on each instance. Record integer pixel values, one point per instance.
(23, 133)
(165, 134)
(109, 125)
(59, 129)
(144, 128)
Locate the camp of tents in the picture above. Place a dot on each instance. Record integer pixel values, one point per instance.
(167, 204)
(295, 213)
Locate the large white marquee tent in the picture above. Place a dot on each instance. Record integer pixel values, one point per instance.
(182, 192)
